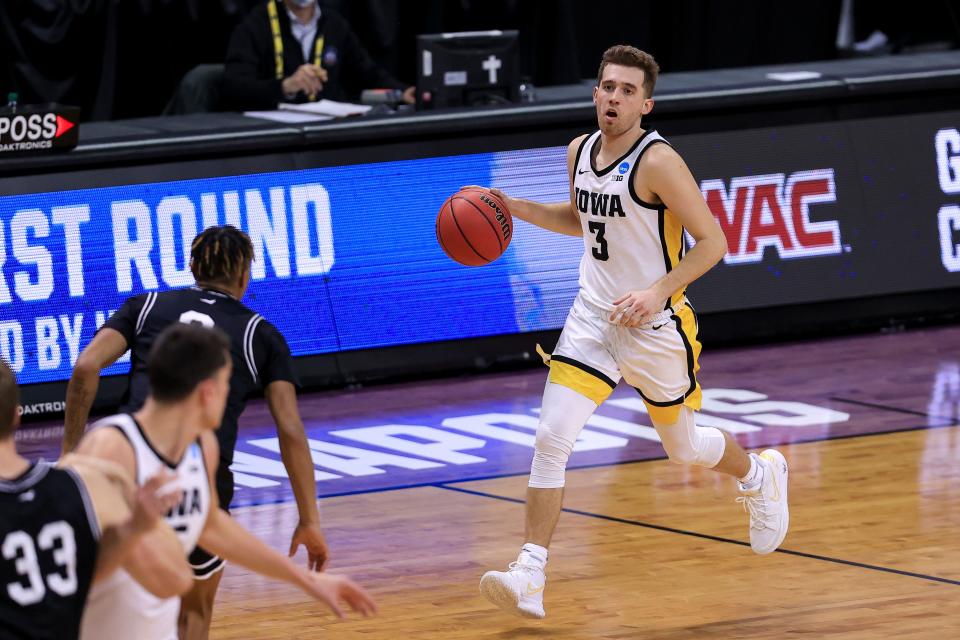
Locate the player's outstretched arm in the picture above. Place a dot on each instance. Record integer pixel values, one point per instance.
(295, 453)
(106, 348)
(155, 559)
(559, 217)
(224, 537)
(124, 511)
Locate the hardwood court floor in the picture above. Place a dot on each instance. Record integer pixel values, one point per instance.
(872, 553)
(647, 549)
(421, 484)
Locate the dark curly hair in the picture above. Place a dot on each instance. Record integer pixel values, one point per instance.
(220, 255)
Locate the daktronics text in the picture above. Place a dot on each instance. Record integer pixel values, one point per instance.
(35, 129)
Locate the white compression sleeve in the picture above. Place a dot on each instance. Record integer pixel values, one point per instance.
(686, 443)
(562, 418)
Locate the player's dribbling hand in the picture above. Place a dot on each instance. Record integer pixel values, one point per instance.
(332, 589)
(504, 198)
(633, 307)
(310, 536)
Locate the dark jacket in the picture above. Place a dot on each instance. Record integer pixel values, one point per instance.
(250, 80)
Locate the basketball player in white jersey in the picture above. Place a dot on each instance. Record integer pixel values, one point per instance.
(189, 371)
(631, 198)
(64, 528)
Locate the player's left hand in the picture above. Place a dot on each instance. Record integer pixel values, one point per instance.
(161, 493)
(309, 535)
(331, 589)
(633, 307)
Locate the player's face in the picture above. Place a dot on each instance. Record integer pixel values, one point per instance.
(620, 99)
(215, 396)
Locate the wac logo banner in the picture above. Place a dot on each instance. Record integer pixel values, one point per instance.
(774, 210)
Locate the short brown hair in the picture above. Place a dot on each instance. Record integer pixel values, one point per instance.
(220, 255)
(9, 400)
(183, 356)
(627, 56)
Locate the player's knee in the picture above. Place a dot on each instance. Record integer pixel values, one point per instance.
(550, 457)
(680, 452)
(686, 443)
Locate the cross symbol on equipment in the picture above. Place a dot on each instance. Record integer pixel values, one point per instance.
(491, 65)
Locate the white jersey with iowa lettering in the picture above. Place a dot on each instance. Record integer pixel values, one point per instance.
(120, 608)
(629, 244)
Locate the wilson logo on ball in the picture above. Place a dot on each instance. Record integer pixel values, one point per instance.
(474, 227)
(501, 218)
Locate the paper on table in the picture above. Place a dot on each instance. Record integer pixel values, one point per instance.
(327, 108)
(793, 76)
(291, 117)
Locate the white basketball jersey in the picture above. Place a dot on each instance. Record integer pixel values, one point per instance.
(629, 244)
(120, 607)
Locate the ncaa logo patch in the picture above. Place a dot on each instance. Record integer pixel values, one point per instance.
(624, 167)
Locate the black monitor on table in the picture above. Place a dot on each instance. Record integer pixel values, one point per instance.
(467, 69)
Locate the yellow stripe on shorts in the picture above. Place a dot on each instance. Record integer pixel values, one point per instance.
(669, 412)
(582, 378)
(688, 329)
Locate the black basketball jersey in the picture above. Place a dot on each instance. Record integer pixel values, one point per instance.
(48, 547)
(260, 353)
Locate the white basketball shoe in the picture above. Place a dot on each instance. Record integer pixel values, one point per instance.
(518, 590)
(767, 503)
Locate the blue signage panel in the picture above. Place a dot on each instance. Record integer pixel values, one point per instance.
(346, 258)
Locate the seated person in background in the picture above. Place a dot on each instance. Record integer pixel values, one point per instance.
(292, 51)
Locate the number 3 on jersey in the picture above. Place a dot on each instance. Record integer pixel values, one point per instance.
(195, 317)
(600, 251)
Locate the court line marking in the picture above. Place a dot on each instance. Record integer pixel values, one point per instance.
(575, 467)
(707, 536)
(884, 407)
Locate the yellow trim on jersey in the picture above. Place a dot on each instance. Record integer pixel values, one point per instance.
(580, 381)
(694, 399)
(673, 235)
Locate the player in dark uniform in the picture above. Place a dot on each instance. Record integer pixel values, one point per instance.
(51, 548)
(220, 259)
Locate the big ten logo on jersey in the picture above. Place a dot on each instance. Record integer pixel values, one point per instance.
(947, 145)
(606, 205)
(621, 171)
(773, 210)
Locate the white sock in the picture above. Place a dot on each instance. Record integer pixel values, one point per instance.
(533, 554)
(754, 475)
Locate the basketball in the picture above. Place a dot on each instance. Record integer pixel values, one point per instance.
(474, 227)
